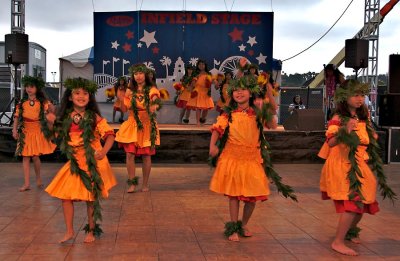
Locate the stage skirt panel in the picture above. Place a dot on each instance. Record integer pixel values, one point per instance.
(36, 143)
(334, 181)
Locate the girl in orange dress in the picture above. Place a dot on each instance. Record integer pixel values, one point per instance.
(87, 176)
(200, 99)
(224, 98)
(346, 177)
(184, 96)
(31, 128)
(120, 86)
(139, 134)
(243, 166)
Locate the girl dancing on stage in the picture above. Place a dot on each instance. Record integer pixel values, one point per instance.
(244, 165)
(346, 177)
(201, 100)
(184, 96)
(120, 86)
(31, 128)
(87, 176)
(139, 134)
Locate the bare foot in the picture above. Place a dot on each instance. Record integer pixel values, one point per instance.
(24, 188)
(356, 240)
(131, 189)
(39, 183)
(343, 249)
(145, 189)
(67, 237)
(89, 238)
(234, 237)
(246, 232)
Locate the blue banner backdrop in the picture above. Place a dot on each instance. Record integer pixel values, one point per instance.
(167, 41)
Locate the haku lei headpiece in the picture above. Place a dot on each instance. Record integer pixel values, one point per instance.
(31, 80)
(247, 82)
(138, 68)
(350, 88)
(76, 83)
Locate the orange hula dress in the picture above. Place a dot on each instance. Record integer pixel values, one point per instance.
(334, 183)
(69, 186)
(117, 103)
(201, 100)
(227, 98)
(184, 97)
(239, 172)
(36, 143)
(129, 136)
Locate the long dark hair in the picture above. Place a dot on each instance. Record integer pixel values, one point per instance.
(66, 106)
(205, 66)
(294, 100)
(40, 95)
(118, 84)
(134, 86)
(342, 108)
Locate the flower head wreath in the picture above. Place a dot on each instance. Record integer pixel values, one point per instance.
(76, 83)
(33, 81)
(247, 82)
(350, 88)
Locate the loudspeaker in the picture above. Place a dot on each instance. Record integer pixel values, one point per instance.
(389, 110)
(394, 73)
(394, 145)
(356, 53)
(305, 120)
(16, 49)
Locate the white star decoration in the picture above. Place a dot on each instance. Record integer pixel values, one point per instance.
(114, 45)
(252, 41)
(242, 48)
(139, 45)
(261, 59)
(148, 38)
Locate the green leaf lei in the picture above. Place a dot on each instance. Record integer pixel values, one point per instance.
(233, 227)
(352, 141)
(93, 182)
(263, 116)
(21, 126)
(152, 115)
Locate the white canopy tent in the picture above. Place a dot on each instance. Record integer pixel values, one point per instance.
(77, 65)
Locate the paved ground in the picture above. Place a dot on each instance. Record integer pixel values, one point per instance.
(180, 219)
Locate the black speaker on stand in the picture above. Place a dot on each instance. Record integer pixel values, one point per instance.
(356, 54)
(16, 52)
(394, 73)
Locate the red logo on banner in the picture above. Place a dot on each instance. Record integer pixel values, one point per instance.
(119, 20)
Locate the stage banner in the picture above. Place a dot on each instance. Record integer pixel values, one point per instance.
(168, 41)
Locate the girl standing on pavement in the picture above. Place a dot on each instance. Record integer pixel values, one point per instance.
(139, 134)
(243, 166)
(31, 128)
(346, 177)
(87, 176)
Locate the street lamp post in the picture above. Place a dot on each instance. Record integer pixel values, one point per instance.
(54, 76)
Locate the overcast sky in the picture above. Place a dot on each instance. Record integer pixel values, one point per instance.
(64, 27)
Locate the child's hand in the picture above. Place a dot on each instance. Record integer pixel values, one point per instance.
(15, 134)
(50, 117)
(99, 154)
(213, 150)
(351, 125)
(258, 103)
(153, 108)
